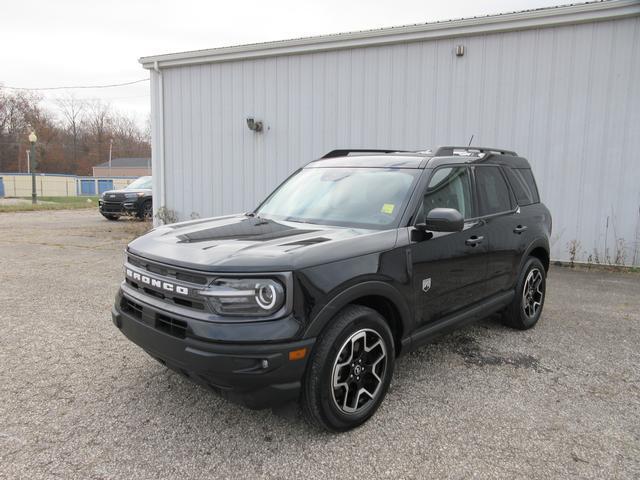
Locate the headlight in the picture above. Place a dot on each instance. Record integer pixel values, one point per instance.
(133, 195)
(257, 297)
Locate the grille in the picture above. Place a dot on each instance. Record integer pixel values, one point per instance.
(164, 323)
(132, 308)
(184, 302)
(114, 197)
(172, 326)
(111, 207)
(167, 271)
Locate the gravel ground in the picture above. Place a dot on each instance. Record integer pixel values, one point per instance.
(78, 400)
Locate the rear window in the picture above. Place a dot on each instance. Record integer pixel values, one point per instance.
(523, 184)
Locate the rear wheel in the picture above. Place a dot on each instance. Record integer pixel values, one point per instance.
(111, 217)
(349, 371)
(526, 307)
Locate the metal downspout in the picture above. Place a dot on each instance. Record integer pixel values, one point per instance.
(163, 182)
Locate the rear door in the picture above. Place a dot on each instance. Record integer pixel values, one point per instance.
(449, 269)
(505, 224)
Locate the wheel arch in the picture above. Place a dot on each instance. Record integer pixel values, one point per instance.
(377, 295)
(541, 254)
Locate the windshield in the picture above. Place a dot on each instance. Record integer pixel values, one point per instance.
(139, 183)
(360, 197)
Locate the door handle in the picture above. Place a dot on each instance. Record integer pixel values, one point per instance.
(473, 241)
(519, 229)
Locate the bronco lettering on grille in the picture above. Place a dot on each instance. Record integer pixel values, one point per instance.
(169, 287)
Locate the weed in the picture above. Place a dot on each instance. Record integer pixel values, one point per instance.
(166, 216)
(574, 247)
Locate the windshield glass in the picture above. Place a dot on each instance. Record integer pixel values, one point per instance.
(139, 183)
(359, 197)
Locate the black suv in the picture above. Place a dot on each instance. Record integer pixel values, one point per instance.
(135, 199)
(355, 259)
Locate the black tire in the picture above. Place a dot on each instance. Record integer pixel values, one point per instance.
(108, 216)
(352, 329)
(146, 211)
(522, 312)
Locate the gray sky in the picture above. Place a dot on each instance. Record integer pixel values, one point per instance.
(48, 43)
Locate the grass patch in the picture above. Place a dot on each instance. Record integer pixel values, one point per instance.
(24, 204)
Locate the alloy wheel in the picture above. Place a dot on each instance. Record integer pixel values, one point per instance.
(359, 371)
(532, 293)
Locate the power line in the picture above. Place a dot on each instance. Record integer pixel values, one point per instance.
(78, 86)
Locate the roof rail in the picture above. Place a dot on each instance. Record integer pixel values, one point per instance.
(344, 153)
(448, 150)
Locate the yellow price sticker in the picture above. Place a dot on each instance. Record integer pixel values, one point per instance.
(388, 208)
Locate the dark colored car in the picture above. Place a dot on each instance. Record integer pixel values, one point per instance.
(355, 259)
(134, 200)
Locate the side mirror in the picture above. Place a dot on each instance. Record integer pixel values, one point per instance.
(443, 220)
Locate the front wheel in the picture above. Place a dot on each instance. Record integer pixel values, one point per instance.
(349, 371)
(146, 211)
(526, 307)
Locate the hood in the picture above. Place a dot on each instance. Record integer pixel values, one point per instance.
(254, 244)
(122, 191)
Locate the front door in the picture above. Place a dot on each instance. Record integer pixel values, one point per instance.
(449, 269)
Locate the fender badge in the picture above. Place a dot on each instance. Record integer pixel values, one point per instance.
(426, 284)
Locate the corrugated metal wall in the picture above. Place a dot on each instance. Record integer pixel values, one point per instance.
(567, 98)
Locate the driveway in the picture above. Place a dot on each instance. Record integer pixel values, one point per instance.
(77, 400)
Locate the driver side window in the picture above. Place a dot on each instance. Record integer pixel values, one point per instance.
(449, 187)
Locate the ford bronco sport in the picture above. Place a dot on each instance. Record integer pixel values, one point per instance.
(355, 259)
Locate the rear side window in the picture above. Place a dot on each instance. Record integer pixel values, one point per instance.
(493, 191)
(523, 184)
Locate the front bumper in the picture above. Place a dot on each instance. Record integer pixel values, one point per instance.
(255, 375)
(126, 207)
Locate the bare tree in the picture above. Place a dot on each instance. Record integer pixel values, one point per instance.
(72, 111)
(18, 111)
(71, 141)
(98, 122)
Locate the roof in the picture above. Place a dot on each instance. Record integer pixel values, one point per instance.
(431, 158)
(521, 20)
(377, 160)
(127, 162)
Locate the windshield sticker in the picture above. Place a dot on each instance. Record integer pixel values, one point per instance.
(387, 208)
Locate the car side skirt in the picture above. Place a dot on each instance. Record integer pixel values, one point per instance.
(480, 310)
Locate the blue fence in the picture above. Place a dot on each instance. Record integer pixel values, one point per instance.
(1, 188)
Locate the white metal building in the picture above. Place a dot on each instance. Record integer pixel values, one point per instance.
(561, 86)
